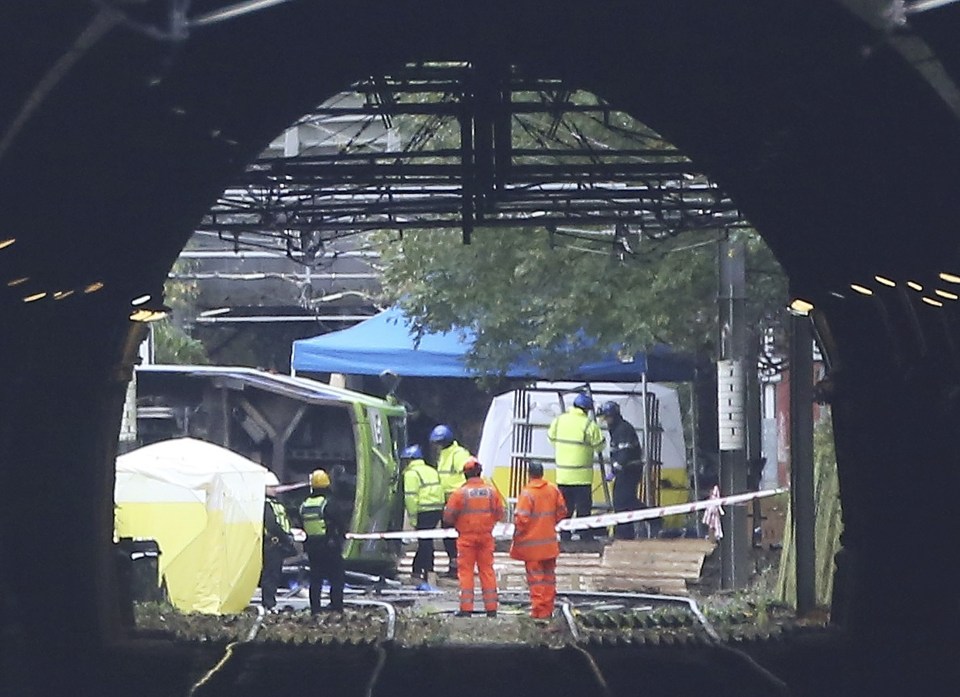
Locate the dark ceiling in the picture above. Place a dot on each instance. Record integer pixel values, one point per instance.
(838, 138)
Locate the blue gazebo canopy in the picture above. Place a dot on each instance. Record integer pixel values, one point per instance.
(388, 342)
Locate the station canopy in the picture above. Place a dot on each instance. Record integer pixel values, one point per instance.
(389, 342)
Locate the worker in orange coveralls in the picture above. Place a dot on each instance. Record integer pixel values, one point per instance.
(540, 507)
(473, 510)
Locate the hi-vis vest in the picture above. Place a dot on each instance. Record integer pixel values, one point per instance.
(450, 467)
(311, 510)
(474, 508)
(576, 437)
(280, 513)
(421, 488)
(540, 507)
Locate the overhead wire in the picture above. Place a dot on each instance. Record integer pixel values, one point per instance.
(298, 200)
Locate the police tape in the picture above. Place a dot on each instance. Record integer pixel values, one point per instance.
(281, 488)
(505, 530)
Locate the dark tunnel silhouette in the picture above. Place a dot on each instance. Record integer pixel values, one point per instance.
(834, 127)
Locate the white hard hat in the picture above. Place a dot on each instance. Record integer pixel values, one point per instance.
(271, 479)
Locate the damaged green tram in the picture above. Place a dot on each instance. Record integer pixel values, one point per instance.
(292, 426)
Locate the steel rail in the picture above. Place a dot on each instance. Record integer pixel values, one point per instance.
(229, 652)
(389, 638)
(391, 613)
(778, 686)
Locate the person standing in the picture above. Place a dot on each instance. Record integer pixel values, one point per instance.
(576, 439)
(540, 507)
(325, 522)
(449, 457)
(626, 459)
(473, 510)
(277, 543)
(424, 500)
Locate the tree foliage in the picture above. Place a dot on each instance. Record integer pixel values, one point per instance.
(568, 298)
(172, 342)
(173, 346)
(569, 293)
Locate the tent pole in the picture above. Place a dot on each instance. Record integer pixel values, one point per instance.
(647, 498)
(693, 445)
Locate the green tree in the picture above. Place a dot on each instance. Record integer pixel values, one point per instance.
(172, 345)
(172, 342)
(828, 521)
(523, 289)
(533, 288)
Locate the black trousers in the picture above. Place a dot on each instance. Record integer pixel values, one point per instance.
(449, 545)
(625, 499)
(423, 559)
(326, 562)
(271, 575)
(579, 500)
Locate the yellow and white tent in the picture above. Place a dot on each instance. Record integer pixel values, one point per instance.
(203, 504)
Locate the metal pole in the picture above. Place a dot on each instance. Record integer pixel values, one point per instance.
(735, 545)
(693, 444)
(802, 504)
(754, 430)
(647, 497)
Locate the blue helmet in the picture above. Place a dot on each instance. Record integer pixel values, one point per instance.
(411, 452)
(442, 435)
(610, 409)
(583, 401)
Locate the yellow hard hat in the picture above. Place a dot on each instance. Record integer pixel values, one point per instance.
(319, 479)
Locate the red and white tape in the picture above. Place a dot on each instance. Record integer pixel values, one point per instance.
(505, 530)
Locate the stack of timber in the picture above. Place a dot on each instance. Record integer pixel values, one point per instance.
(639, 566)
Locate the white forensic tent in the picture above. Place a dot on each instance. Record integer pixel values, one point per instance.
(495, 441)
(515, 431)
(203, 504)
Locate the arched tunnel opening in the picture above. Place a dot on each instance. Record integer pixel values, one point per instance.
(841, 151)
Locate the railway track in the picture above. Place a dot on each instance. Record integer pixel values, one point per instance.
(602, 643)
(394, 641)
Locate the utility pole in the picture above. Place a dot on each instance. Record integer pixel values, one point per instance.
(731, 393)
(803, 507)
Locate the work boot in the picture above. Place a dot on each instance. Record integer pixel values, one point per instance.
(491, 613)
(462, 613)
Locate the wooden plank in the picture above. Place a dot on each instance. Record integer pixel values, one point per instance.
(628, 547)
(606, 573)
(647, 555)
(694, 567)
(643, 562)
(663, 543)
(655, 566)
(670, 586)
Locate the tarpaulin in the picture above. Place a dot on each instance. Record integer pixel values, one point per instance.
(389, 342)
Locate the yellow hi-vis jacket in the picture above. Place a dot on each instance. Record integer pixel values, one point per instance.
(575, 437)
(312, 510)
(421, 489)
(450, 467)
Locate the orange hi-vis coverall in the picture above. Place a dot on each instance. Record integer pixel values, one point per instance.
(540, 507)
(473, 510)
